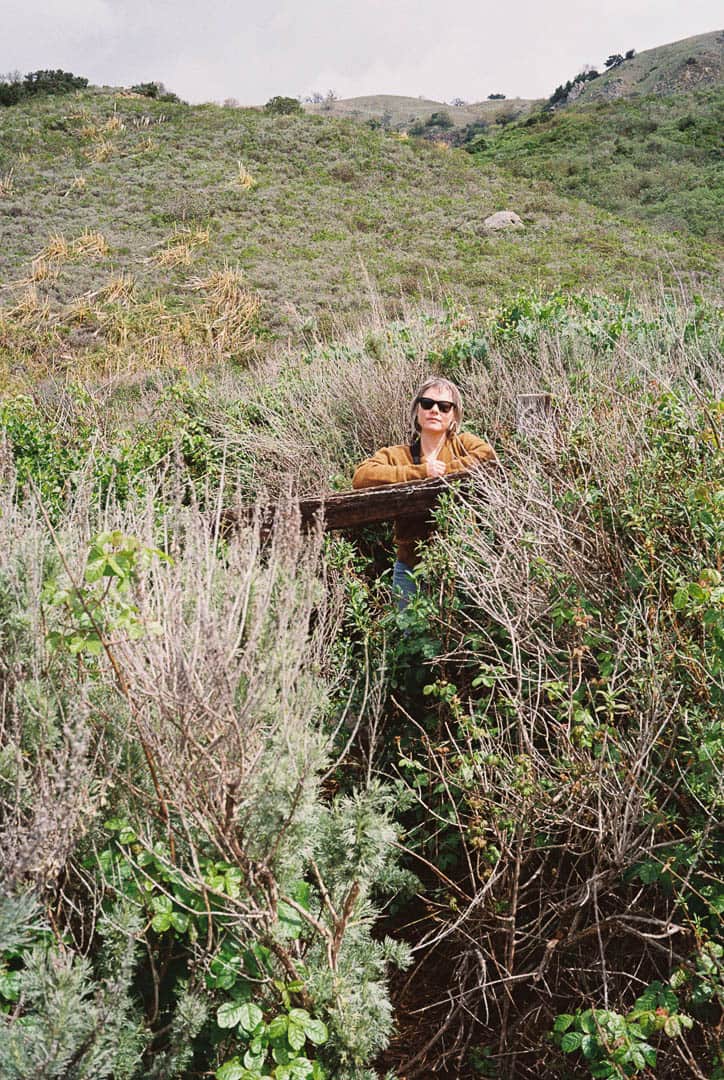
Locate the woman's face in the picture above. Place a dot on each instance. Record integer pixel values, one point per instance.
(433, 421)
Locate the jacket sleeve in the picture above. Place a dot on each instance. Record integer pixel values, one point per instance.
(385, 468)
(476, 451)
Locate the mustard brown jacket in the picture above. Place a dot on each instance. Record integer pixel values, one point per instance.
(395, 465)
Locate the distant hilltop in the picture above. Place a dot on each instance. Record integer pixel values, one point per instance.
(398, 111)
(694, 63)
(690, 64)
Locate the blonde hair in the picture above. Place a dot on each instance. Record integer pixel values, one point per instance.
(454, 395)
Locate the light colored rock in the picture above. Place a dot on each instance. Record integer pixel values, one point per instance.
(503, 219)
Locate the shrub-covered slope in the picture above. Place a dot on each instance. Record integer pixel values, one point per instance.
(120, 213)
(236, 785)
(680, 66)
(657, 159)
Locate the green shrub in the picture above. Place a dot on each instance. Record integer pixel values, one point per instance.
(283, 106)
(156, 91)
(40, 82)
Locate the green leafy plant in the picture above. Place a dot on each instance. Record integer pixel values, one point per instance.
(616, 1045)
(102, 605)
(275, 1048)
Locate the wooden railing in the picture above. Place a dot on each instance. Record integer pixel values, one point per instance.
(351, 509)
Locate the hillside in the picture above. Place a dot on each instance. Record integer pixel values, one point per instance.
(657, 159)
(259, 820)
(399, 112)
(120, 214)
(694, 63)
(241, 787)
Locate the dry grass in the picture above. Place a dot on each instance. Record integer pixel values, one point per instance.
(178, 255)
(7, 183)
(228, 312)
(78, 183)
(60, 249)
(180, 246)
(57, 248)
(31, 309)
(120, 289)
(114, 124)
(41, 270)
(102, 151)
(245, 179)
(91, 242)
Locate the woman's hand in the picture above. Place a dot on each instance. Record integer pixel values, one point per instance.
(435, 468)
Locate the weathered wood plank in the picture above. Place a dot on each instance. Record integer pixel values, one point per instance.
(351, 509)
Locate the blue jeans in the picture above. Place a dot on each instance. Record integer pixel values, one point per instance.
(403, 584)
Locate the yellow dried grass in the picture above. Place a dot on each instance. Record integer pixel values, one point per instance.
(180, 247)
(31, 308)
(114, 123)
(246, 180)
(178, 255)
(228, 313)
(78, 183)
(101, 151)
(40, 270)
(90, 242)
(57, 248)
(7, 183)
(118, 289)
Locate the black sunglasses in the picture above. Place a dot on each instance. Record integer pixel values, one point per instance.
(428, 402)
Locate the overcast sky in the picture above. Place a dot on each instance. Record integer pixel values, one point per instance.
(209, 50)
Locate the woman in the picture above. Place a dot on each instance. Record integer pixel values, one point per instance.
(438, 448)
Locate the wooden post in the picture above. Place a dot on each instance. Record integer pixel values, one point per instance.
(534, 414)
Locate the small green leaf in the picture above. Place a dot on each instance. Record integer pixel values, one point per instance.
(649, 1054)
(302, 1069)
(229, 1014)
(672, 1027)
(301, 891)
(290, 921)
(603, 1070)
(250, 1016)
(180, 921)
(637, 1058)
(282, 1054)
(649, 872)
(278, 1028)
(571, 1041)
(298, 1069)
(299, 1016)
(563, 1022)
(162, 904)
(10, 985)
(231, 1070)
(296, 1036)
(161, 922)
(587, 1022)
(254, 1060)
(316, 1032)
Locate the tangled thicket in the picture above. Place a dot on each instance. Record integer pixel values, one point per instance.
(240, 794)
